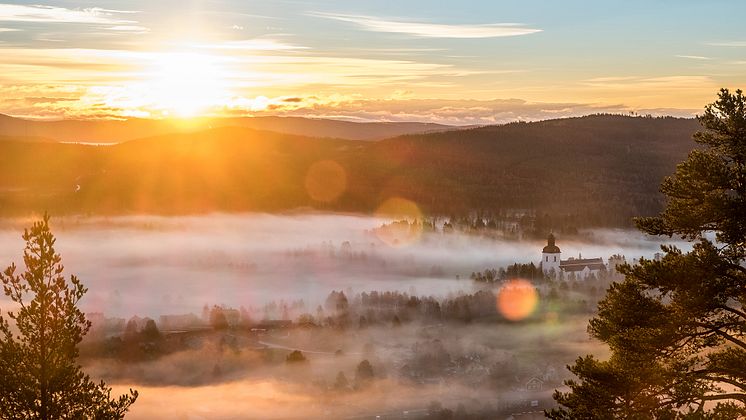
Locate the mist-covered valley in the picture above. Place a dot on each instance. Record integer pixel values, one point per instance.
(272, 316)
(152, 266)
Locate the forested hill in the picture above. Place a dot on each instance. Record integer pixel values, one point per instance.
(596, 170)
(603, 168)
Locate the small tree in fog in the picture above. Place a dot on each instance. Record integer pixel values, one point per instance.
(150, 331)
(306, 320)
(218, 320)
(341, 383)
(364, 373)
(130, 330)
(39, 374)
(295, 356)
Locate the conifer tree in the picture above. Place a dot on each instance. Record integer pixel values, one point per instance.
(676, 327)
(40, 377)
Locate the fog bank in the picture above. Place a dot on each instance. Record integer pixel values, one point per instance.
(150, 265)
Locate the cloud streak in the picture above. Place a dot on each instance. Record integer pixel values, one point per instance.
(430, 30)
(651, 84)
(51, 14)
(128, 28)
(256, 44)
(694, 57)
(727, 44)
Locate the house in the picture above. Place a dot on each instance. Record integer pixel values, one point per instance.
(534, 384)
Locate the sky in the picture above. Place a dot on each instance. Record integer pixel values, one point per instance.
(466, 62)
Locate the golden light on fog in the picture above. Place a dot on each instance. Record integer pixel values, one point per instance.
(406, 225)
(242, 399)
(552, 317)
(326, 180)
(517, 299)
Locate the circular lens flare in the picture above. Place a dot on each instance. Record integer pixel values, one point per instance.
(405, 227)
(517, 299)
(326, 180)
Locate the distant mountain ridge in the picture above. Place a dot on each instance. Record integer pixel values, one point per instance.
(117, 131)
(598, 170)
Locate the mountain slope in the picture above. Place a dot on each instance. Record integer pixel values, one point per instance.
(603, 166)
(596, 170)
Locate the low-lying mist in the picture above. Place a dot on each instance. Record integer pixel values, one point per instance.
(462, 358)
(150, 266)
(489, 368)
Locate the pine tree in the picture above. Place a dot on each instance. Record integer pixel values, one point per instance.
(677, 327)
(364, 373)
(39, 374)
(341, 383)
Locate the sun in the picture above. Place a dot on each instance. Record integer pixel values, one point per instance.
(186, 84)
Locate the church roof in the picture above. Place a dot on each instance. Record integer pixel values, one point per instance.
(551, 248)
(579, 264)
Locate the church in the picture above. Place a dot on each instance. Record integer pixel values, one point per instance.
(551, 261)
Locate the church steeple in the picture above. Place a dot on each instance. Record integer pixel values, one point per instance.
(550, 257)
(551, 248)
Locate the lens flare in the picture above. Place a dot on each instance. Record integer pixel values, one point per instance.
(406, 222)
(517, 299)
(326, 180)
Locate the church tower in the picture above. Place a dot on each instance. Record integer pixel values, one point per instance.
(550, 256)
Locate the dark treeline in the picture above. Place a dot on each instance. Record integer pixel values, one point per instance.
(394, 308)
(528, 271)
(506, 223)
(591, 171)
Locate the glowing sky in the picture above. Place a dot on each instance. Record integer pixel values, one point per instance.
(451, 62)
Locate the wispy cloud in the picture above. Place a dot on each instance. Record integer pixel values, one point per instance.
(431, 30)
(255, 44)
(611, 79)
(128, 28)
(694, 57)
(9, 30)
(727, 44)
(650, 83)
(51, 14)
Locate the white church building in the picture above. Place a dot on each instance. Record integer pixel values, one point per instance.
(551, 261)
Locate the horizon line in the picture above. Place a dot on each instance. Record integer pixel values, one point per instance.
(630, 114)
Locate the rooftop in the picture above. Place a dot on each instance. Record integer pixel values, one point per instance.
(551, 248)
